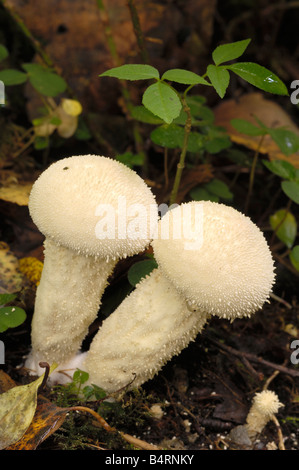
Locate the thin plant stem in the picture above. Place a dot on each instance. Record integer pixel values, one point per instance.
(124, 90)
(138, 31)
(252, 173)
(181, 164)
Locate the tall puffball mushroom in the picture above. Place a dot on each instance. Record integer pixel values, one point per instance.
(212, 260)
(264, 406)
(86, 207)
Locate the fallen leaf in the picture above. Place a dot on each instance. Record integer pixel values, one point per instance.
(268, 112)
(16, 193)
(11, 279)
(47, 419)
(17, 408)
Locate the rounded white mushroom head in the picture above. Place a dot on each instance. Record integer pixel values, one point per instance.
(95, 206)
(216, 257)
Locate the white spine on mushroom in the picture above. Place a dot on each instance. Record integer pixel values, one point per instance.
(264, 406)
(150, 326)
(228, 274)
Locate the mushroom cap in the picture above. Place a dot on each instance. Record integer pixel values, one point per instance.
(95, 206)
(266, 403)
(216, 257)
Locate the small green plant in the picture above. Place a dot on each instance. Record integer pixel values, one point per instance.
(283, 222)
(184, 121)
(10, 316)
(75, 390)
(62, 117)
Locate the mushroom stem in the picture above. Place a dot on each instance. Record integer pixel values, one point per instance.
(66, 301)
(150, 326)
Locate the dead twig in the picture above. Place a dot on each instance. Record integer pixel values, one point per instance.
(253, 357)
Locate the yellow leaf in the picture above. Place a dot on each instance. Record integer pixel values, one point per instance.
(17, 408)
(71, 107)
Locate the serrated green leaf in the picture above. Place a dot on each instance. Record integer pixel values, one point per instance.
(259, 76)
(294, 257)
(162, 101)
(230, 51)
(13, 77)
(285, 226)
(287, 141)
(246, 127)
(219, 77)
(184, 77)
(132, 72)
(11, 317)
(140, 270)
(281, 168)
(291, 189)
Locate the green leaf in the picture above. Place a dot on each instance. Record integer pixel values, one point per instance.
(229, 51)
(216, 140)
(142, 114)
(291, 189)
(281, 168)
(287, 140)
(6, 298)
(140, 270)
(132, 72)
(219, 188)
(285, 226)
(44, 80)
(13, 77)
(259, 76)
(246, 127)
(130, 159)
(201, 194)
(172, 136)
(11, 317)
(162, 101)
(3, 52)
(185, 77)
(219, 77)
(294, 257)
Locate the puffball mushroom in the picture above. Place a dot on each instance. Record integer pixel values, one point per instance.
(72, 203)
(212, 260)
(265, 405)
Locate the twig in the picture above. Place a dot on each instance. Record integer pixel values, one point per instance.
(253, 358)
(130, 439)
(138, 31)
(181, 164)
(279, 433)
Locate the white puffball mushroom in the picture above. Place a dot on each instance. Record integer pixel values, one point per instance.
(231, 273)
(86, 207)
(212, 260)
(265, 405)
